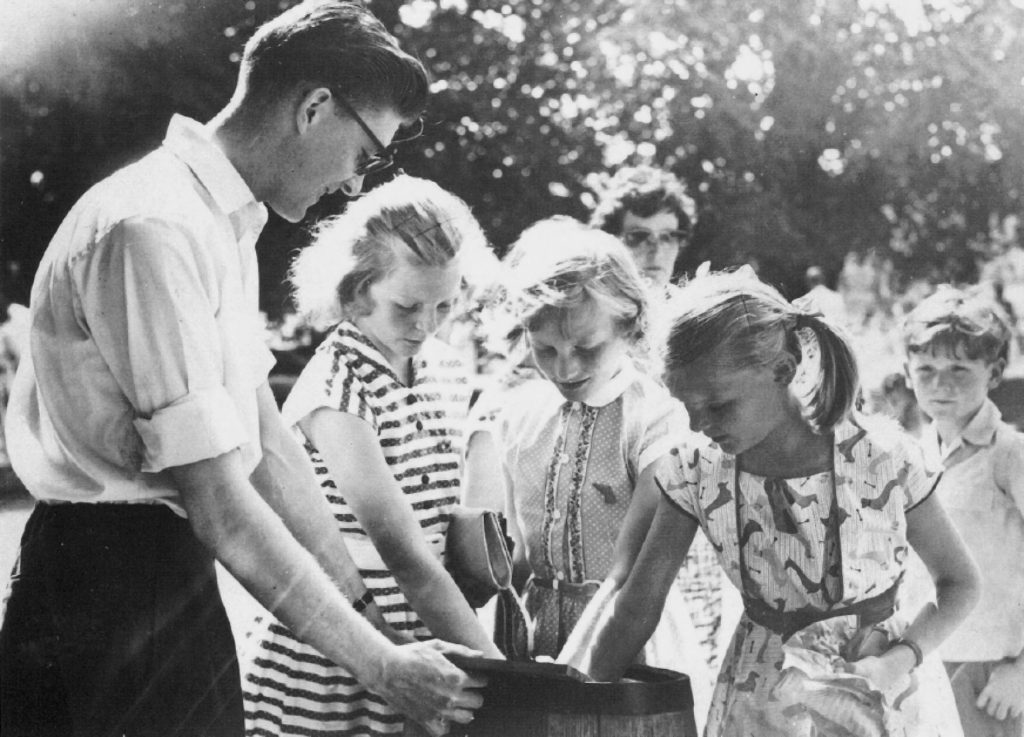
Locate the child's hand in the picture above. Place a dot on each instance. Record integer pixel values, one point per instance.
(1003, 696)
(885, 672)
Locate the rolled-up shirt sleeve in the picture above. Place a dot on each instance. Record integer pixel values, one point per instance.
(151, 296)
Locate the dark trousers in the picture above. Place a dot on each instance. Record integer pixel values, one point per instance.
(114, 626)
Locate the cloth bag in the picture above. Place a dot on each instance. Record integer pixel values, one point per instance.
(478, 553)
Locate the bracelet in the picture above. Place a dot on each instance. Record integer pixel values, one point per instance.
(914, 648)
(363, 601)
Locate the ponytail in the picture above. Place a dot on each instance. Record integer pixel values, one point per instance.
(750, 323)
(836, 389)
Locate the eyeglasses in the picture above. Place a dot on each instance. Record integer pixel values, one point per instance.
(641, 236)
(384, 158)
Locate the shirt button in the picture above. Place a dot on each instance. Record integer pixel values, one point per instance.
(556, 515)
(419, 425)
(560, 575)
(425, 479)
(563, 458)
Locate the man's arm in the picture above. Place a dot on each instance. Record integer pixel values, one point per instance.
(285, 480)
(143, 295)
(252, 542)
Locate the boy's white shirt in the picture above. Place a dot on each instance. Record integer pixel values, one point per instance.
(982, 490)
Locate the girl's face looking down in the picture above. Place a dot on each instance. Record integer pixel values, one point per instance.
(737, 408)
(408, 306)
(579, 350)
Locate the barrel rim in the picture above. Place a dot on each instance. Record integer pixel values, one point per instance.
(556, 688)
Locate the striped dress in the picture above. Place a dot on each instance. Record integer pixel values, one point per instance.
(289, 688)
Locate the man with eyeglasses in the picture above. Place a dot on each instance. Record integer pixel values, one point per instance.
(649, 210)
(143, 423)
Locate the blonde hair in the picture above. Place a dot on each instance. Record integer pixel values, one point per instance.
(747, 323)
(408, 218)
(560, 263)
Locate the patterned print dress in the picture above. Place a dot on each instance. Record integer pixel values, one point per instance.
(800, 549)
(289, 688)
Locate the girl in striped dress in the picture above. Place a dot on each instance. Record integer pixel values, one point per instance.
(379, 410)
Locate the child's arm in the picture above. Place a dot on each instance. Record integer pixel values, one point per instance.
(647, 560)
(957, 583)
(352, 452)
(635, 525)
(483, 480)
(520, 558)
(936, 541)
(285, 480)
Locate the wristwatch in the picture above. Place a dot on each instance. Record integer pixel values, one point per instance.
(914, 648)
(363, 601)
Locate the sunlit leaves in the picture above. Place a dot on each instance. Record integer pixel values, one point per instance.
(806, 129)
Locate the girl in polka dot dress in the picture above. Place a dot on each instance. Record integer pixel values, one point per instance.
(812, 510)
(379, 410)
(575, 443)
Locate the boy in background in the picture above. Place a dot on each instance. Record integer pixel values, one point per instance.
(957, 346)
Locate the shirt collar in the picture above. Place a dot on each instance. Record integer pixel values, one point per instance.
(191, 142)
(615, 386)
(347, 329)
(981, 430)
(350, 332)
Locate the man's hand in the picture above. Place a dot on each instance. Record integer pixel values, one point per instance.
(1003, 695)
(422, 684)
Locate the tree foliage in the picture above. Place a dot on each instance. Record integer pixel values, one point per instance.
(806, 129)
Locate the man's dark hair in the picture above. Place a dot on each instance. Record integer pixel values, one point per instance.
(643, 191)
(335, 44)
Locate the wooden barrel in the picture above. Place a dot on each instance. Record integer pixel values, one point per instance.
(546, 700)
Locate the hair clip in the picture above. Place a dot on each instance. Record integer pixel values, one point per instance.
(410, 239)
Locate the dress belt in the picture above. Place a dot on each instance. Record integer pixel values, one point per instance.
(787, 623)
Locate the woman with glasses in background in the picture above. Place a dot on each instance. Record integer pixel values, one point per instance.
(650, 211)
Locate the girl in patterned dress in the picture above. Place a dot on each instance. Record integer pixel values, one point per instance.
(811, 511)
(574, 443)
(379, 410)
